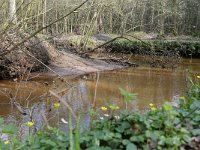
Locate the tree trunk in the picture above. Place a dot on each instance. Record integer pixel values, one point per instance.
(44, 17)
(162, 18)
(12, 11)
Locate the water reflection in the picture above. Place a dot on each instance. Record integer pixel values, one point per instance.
(151, 85)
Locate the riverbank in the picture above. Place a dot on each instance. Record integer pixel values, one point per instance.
(38, 55)
(134, 43)
(164, 52)
(69, 64)
(76, 55)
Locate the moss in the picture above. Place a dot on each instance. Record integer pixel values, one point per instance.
(184, 48)
(77, 39)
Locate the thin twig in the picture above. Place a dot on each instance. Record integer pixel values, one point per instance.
(95, 92)
(106, 43)
(187, 116)
(114, 39)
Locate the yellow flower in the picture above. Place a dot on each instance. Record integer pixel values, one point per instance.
(198, 77)
(182, 98)
(56, 105)
(153, 108)
(151, 104)
(104, 108)
(7, 142)
(30, 124)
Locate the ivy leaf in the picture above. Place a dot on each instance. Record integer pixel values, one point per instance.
(131, 146)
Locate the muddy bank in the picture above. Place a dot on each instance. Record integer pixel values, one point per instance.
(68, 64)
(24, 58)
(62, 55)
(36, 55)
(163, 53)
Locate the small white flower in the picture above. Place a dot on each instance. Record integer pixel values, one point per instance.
(64, 121)
(106, 115)
(101, 118)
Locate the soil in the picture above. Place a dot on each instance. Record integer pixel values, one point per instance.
(68, 64)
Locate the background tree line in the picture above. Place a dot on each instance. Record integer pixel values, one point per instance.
(105, 16)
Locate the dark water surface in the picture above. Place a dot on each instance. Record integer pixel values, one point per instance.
(153, 85)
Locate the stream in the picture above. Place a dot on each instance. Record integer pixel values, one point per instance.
(152, 85)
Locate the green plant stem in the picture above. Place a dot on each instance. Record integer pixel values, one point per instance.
(71, 133)
(78, 133)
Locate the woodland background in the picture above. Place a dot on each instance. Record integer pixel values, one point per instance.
(173, 17)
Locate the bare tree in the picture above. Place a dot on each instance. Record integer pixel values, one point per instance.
(12, 11)
(105, 16)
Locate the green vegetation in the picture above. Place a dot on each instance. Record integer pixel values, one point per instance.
(167, 127)
(183, 47)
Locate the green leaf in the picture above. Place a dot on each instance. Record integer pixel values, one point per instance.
(139, 138)
(196, 132)
(131, 146)
(1, 121)
(196, 118)
(128, 96)
(49, 142)
(125, 142)
(187, 138)
(176, 141)
(162, 140)
(113, 107)
(10, 129)
(123, 127)
(167, 106)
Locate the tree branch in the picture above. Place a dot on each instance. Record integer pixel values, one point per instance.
(42, 28)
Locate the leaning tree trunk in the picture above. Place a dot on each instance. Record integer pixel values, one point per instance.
(12, 11)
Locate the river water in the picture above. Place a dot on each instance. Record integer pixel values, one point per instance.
(152, 85)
